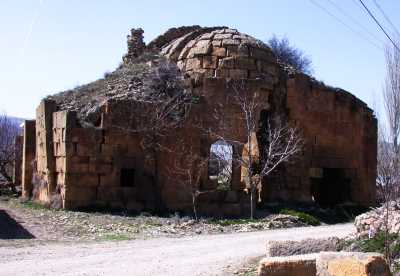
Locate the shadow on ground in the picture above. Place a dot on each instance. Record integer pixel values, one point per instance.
(11, 229)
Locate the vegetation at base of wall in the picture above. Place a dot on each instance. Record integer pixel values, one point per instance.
(377, 243)
(304, 217)
(115, 237)
(228, 222)
(33, 205)
(329, 215)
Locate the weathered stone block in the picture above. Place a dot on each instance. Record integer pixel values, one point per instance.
(109, 180)
(351, 263)
(100, 167)
(81, 193)
(218, 52)
(301, 265)
(230, 42)
(205, 73)
(106, 149)
(78, 164)
(216, 43)
(221, 73)
(210, 62)
(267, 67)
(238, 51)
(223, 36)
(110, 193)
(238, 73)
(245, 63)
(60, 164)
(203, 47)
(227, 63)
(193, 64)
(307, 246)
(82, 179)
(258, 53)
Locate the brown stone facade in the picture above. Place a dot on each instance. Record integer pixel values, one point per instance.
(73, 165)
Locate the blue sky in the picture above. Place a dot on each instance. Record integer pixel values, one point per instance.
(51, 45)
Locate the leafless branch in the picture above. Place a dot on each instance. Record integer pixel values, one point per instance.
(8, 132)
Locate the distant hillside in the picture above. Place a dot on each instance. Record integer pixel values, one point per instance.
(16, 120)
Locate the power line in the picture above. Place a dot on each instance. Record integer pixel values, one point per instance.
(355, 21)
(386, 17)
(380, 26)
(366, 38)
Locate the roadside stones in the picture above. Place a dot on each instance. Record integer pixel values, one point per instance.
(370, 223)
(307, 246)
(300, 265)
(326, 264)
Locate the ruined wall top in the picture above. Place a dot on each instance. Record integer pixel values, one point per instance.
(219, 52)
(136, 45)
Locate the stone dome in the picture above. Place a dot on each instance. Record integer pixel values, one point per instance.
(221, 53)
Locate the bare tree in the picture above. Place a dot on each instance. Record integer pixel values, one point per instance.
(289, 54)
(391, 95)
(282, 142)
(191, 166)
(8, 132)
(388, 165)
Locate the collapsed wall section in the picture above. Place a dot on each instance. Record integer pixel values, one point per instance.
(104, 166)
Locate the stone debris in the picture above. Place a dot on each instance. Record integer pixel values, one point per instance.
(307, 246)
(370, 223)
(50, 224)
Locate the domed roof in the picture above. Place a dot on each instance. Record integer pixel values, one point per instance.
(222, 52)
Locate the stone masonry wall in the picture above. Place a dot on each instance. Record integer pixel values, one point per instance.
(340, 131)
(44, 180)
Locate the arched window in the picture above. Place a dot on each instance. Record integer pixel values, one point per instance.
(220, 164)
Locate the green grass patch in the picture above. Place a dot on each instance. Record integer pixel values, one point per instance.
(304, 217)
(377, 243)
(33, 205)
(228, 222)
(115, 237)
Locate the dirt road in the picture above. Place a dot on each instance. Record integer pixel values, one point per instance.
(201, 255)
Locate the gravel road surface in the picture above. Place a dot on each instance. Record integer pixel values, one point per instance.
(198, 255)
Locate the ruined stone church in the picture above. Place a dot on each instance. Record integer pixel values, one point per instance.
(80, 151)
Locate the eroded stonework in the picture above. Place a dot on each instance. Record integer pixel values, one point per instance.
(80, 151)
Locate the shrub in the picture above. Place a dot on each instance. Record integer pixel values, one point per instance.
(289, 54)
(304, 217)
(377, 243)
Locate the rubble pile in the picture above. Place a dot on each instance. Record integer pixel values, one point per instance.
(375, 220)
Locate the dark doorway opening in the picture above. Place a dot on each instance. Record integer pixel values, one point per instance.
(332, 188)
(127, 177)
